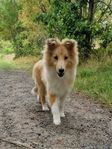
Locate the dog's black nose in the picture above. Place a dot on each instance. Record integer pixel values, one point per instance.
(61, 70)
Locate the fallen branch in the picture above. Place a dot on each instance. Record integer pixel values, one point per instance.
(17, 143)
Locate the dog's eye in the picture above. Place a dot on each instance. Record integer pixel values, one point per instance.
(65, 57)
(55, 57)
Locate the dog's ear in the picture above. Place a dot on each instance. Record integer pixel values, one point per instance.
(52, 43)
(70, 44)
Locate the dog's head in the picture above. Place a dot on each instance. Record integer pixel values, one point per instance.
(61, 55)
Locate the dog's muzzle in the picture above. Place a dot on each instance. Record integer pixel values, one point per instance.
(61, 72)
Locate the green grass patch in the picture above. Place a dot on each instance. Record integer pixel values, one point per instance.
(20, 63)
(7, 65)
(94, 79)
(26, 62)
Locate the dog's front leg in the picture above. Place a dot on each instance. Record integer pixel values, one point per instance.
(61, 107)
(55, 109)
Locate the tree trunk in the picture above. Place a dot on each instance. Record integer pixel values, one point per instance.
(91, 11)
(87, 50)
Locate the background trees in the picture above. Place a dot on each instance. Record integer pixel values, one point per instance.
(8, 19)
(28, 23)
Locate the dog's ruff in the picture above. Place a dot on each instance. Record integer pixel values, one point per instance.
(54, 75)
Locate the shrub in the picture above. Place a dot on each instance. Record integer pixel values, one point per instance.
(102, 53)
(27, 44)
(6, 47)
(106, 35)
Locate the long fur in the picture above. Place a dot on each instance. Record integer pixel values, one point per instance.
(56, 55)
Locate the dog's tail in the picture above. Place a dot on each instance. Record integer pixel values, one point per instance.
(34, 91)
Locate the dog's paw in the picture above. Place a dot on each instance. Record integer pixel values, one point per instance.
(62, 114)
(45, 107)
(57, 122)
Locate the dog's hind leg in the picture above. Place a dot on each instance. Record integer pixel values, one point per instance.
(34, 92)
(42, 96)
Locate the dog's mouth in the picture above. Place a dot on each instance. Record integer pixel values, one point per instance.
(60, 74)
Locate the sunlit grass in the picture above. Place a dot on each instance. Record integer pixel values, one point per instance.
(26, 62)
(19, 63)
(95, 80)
(7, 65)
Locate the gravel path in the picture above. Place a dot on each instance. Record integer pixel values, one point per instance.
(23, 125)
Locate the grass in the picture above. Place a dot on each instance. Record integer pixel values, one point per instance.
(26, 62)
(94, 79)
(20, 63)
(6, 65)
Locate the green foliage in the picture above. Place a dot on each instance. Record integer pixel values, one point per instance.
(27, 23)
(74, 20)
(8, 18)
(28, 41)
(109, 49)
(6, 47)
(24, 45)
(20, 29)
(101, 53)
(106, 35)
(63, 19)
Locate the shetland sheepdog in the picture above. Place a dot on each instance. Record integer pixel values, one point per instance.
(54, 75)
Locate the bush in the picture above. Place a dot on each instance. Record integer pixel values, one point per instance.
(106, 36)
(109, 49)
(27, 44)
(102, 53)
(6, 47)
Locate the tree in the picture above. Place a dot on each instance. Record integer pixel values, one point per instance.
(29, 39)
(9, 18)
(27, 23)
(79, 19)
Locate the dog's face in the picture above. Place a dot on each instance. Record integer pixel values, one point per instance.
(61, 55)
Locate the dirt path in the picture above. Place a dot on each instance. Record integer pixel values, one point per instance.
(86, 126)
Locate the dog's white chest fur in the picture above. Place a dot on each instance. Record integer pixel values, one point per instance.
(59, 86)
